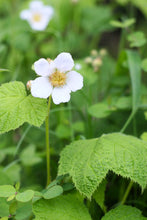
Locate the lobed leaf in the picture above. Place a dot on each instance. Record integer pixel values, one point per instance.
(88, 161)
(137, 39)
(16, 107)
(67, 207)
(99, 194)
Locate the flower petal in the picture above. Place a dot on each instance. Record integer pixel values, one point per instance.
(43, 68)
(48, 11)
(61, 94)
(41, 87)
(39, 26)
(25, 15)
(34, 5)
(64, 62)
(74, 81)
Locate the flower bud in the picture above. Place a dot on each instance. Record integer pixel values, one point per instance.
(97, 62)
(49, 60)
(94, 53)
(103, 52)
(88, 60)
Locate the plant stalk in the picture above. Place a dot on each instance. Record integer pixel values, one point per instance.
(127, 192)
(47, 143)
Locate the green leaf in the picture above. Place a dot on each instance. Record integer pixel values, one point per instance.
(124, 212)
(17, 186)
(63, 131)
(144, 65)
(25, 196)
(124, 103)
(137, 39)
(115, 23)
(4, 70)
(7, 190)
(16, 107)
(29, 157)
(124, 24)
(99, 194)
(14, 172)
(4, 218)
(144, 136)
(24, 211)
(13, 207)
(11, 197)
(52, 192)
(4, 178)
(4, 207)
(99, 110)
(135, 73)
(88, 161)
(67, 207)
(78, 126)
(128, 22)
(98, 24)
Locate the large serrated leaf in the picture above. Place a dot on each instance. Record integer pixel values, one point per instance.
(99, 194)
(16, 107)
(67, 207)
(124, 212)
(88, 161)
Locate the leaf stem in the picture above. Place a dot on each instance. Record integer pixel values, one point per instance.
(47, 143)
(70, 121)
(127, 192)
(21, 139)
(128, 122)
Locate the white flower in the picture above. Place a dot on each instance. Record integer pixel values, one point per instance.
(56, 78)
(38, 15)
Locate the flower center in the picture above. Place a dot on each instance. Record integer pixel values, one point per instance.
(58, 79)
(36, 17)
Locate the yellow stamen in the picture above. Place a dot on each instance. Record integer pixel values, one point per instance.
(36, 17)
(57, 79)
(49, 60)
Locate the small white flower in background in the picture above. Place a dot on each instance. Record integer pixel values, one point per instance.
(56, 78)
(78, 66)
(38, 15)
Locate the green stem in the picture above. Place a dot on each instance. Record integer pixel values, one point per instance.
(127, 192)
(70, 121)
(122, 40)
(127, 122)
(21, 139)
(47, 143)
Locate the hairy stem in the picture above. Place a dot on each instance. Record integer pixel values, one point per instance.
(47, 143)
